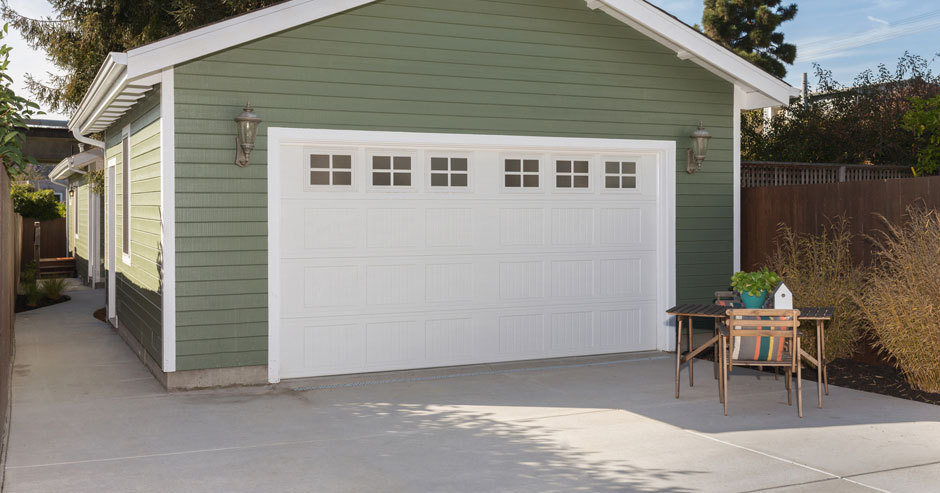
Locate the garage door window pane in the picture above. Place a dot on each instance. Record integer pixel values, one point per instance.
(521, 173)
(571, 173)
(391, 171)
(448, 172)
(620, 175)
(330, 169)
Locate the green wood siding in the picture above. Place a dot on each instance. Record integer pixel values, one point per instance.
(80, 243)
(551, 67)
(139, 288)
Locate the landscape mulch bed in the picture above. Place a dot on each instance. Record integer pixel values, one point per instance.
(21, 305)
(867, 372)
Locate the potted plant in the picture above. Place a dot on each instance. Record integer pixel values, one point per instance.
(754, 286)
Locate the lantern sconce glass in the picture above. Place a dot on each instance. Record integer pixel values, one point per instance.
(71, 192)
(247, 128)
(698, 150)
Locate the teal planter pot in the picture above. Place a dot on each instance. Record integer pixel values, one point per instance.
(753, 301)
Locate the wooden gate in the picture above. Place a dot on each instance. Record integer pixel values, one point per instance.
(53, 239)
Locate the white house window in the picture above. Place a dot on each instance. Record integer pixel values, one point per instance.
(571, 174)
(392, 171)
(620, 175)
(522, 173)
(331, 169)
(449, 172)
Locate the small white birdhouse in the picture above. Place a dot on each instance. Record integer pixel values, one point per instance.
(783, 298)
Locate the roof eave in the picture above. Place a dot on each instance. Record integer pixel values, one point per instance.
(109, 77)
(692, 45)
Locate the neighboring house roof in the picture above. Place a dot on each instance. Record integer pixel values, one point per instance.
(126, 77)
(75, 164)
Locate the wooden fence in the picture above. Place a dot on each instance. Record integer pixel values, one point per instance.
(53, 239)
(768, 173)
(10, 230)
(806, 208)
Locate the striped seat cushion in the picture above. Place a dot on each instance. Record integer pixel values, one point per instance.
(763, 348)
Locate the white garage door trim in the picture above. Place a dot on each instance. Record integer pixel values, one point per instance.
(664, 153)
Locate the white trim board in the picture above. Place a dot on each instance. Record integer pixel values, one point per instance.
(168, 216)
(665, 152)
(131, 74)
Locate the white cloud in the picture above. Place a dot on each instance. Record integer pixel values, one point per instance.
(841, 45)
(879, 21)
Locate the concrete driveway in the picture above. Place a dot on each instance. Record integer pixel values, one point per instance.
(87, 416)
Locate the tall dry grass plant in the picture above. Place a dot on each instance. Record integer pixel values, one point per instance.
(901, 298)
(820, 271)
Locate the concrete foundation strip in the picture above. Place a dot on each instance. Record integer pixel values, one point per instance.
(472, 374)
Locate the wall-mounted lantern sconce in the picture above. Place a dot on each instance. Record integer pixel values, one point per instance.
(698, 150)
(247, 124)
(71, 192)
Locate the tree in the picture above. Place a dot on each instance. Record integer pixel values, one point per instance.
(14, 112)
(749, 28)
(40, 205)
(923, 120)
(859, 124)
(82, 33)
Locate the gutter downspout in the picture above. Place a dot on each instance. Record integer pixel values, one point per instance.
(85, 140)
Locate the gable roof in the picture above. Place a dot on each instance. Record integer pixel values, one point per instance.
(125, 77)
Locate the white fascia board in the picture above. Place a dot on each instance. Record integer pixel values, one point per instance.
(67, 166)
(692, 45)
(112, 70)
(237, 30)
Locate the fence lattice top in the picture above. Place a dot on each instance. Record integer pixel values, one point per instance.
(766, 174)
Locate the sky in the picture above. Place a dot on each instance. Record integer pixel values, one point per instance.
(844, 36)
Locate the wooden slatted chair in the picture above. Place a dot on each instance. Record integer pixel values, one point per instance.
(762, 338)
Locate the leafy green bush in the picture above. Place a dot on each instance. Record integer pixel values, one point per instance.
(901, 298)
(753, 283)
(53, 288)
(820, 271)
(36, 204)
(923, 119)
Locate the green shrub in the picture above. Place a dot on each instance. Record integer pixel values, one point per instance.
(28, 276)
(901, 298)
(754, 283)
(33, 295)
(53, 288)
(820, 271)
(40, 205)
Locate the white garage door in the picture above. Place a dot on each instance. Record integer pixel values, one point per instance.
(394, 251)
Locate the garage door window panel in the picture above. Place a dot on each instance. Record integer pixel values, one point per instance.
(521, 173)
(392, 171)
(572, 174)
(326, 169)
(449, 172)
(620, 175)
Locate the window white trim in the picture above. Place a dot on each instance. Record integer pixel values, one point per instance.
(354, 159)
(414, 171)
(126, 195)
(663, 152)
(431, 154)
(168, 216)
(112, 245)
(522, 157)
(591, 173)
(637, 175)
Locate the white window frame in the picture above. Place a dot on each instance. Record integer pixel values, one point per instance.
(542, 159)
(620, 159)
(430, 154)
(354, 158)
(415, 170)
(126, 194)
(591, 175)
(75, 221)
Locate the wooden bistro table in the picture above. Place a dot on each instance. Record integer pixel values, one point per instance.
(718, 313)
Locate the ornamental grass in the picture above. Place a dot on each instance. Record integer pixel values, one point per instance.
(820, 271)
(901, 298)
